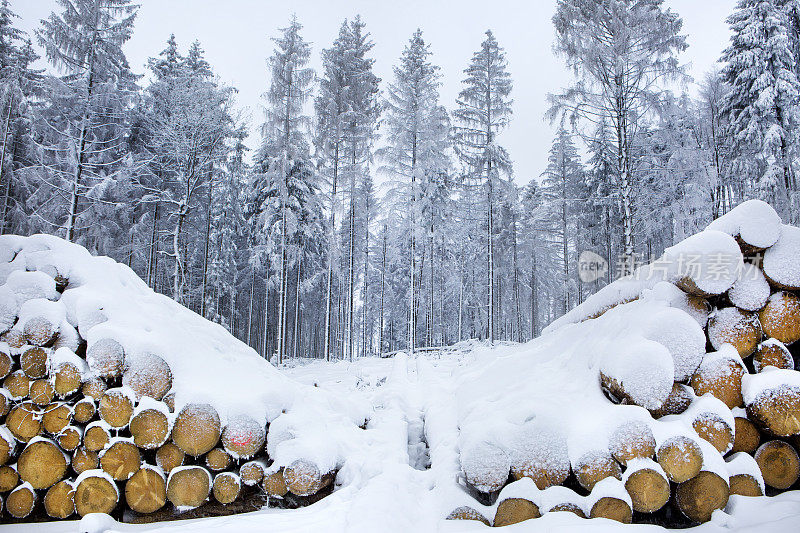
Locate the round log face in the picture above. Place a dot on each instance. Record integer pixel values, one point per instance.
(700, 496)
(771, 354)
(780, 318)
(95, 494)
(678, 401)
(39, 331)
(147, 375)
(42, 392)
(681, 458)
(217, 460)
(146, 491)
(18, 385)
(746, 436)
(7, 448)
(95, 438)
(67, 380)
(169, 456)
(302, 478)
(613, 509)
(33, 362)
(150, 429)
(226, 487)
(275, 484)
(467, 513)
(567, 508)
(736, 327)
(777, 410)
(722, 380)
(515, 510)
(252, 473)
(632, 440)
(116, 408)
(6, 364)
(243, 437)
(712, 428)
(594, 467)
(83, 412)
(121, 460)
(9, 478)
(779, 464)
(648, 489)
(745, 485)
(197, 429)
(83, 460)
(56, 417)
(42, 464)
(106, 358)
(69, 438)
(24, 421)
(189, 487)
(94, 388)
(59, 502)
(5, 405)
(19, 503)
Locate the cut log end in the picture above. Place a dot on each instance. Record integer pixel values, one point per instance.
(169, 457)
(777, 410)
(700, 496)
(33, 362)
(632, 440)
(121, 460)
(780, 318)
(515, 510)
(9, 478)
(745, 485)
(467, 513)
(197, 429)
(189, 487)
(67, 380)
(20, 502)
(681, 458)
(116, 408)
(303, 478)
(24, 421)
(96, 437)
(106, 358)
(275, 484)
(733, 326)
(722, 379)
(252, 473)
(95, 494)
(150, 429)
(146, 491)
(218, 460)
(42, 392)
(227, 487)
(712, 428)
(746, 437)
(59, 501)
(56, 417)
(568, 508)
(612, 509)
(83, 460)
(648, 489)
(779, 464)
(594, 467)
(42, 464)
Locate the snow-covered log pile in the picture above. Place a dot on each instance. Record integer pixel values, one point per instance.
(656, 399)
(116, 399)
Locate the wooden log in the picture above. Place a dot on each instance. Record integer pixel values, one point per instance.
(59, 501)
(5, 402)
(94, 388)
(40, 331)
(106, 358)
(745, 477)
(188, 486)
(150, 428)
(640, 374)
(751, 290)
(515, 510)
(24, 421)
(95, 493)
(595, 466)
(70, 438)
(42, 464)
(8, 445)
(680, 457)
(714, 429)
(773, 353)
(217, 460)
(252, 472)
(197, 429)
(540, 452)
(21, 501)
(146, 490)
(9, 478)
(120, 460)
(780, 318)
(303, 478)
(169, 401)
(467, 513)
(227, 487)
(632, 440)
(67, 379)
(96, 436)
(33, 362)
(612, 509)
(67, 337)
(83, 460)
(779, 464)
(18, 385)
(56, 417)
(700, 496)
(243, 437)
(275, 484)
(568, 508)
(647, 486)
(83, 411)
(169, 457)
(746, 436)
(116, 407)
(777, 409)
(744, 485)
(733, 326)
(42, 392)
(6, 362)
(720, 374)
(14, 337)
(147, 375)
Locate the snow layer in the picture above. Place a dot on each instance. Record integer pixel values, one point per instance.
(755, 221)
(751, 290)
(780, 262)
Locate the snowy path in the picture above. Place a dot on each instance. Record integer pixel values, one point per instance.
(388, 488)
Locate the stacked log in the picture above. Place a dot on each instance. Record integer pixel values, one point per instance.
(727, 426)
(86, 427)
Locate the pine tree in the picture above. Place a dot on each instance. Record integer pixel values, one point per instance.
(621, 52)
(484, 108)
(417, 142)
(761, 108)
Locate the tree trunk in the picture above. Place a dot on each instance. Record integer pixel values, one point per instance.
(206, 246)
(331, 249)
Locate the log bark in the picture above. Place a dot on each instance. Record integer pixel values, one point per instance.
(121, 460)
(146, 491)
(197, 429)
(680, 457)
(42, 464)
(59, 501)
(779, 464)
(515, 510)
(700, 496)
(189, 486)
(95, 494)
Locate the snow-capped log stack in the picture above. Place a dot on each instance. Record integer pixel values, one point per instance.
(115, 399)
(672, 388)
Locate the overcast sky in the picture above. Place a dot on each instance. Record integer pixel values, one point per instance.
(236, 37)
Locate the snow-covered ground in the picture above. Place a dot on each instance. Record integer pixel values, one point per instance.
(389, 488)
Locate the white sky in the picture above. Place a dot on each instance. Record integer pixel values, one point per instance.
(236, 37)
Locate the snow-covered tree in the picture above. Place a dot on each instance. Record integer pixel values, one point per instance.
(484, 108)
